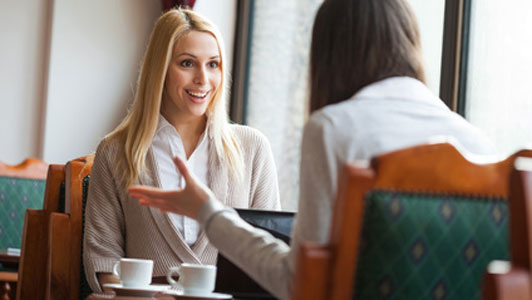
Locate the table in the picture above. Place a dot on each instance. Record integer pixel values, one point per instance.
(97, 296)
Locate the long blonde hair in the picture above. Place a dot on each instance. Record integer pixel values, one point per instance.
(138, 128)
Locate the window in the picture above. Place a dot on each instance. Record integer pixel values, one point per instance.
(275, 85)
(499, 93)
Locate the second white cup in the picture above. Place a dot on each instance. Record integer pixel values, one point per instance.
(133, 272)
(194, 279)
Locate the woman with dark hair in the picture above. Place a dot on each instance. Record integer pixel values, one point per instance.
(368, 97)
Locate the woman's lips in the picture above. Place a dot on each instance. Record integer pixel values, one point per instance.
(197, 96)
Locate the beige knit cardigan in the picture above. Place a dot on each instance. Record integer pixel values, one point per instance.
(117, 226)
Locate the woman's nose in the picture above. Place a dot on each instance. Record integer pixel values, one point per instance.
(200, 76)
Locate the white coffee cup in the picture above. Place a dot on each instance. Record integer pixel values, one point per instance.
(133, 272)
(194, 280)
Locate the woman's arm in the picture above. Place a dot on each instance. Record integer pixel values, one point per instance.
(255, 251)
(104, 222)
(317, 181)
(267, 260)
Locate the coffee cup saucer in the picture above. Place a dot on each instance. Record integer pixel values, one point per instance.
(140, 291)
(179, 295)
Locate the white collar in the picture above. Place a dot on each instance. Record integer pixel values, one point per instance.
(398, 87)
(162, 123)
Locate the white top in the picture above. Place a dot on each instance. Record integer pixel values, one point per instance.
(166, 145)
(387, 115)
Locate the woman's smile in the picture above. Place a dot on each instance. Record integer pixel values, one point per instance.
(197, 96)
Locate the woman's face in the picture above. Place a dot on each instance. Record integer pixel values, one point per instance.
(193, 76)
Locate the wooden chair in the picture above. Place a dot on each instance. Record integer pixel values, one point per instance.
(57, 229)
(21, 187)
(34, 279)
(512, 281)
(418, 223)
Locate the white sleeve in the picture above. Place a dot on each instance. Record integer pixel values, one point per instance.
(318, 181)
(258, 253)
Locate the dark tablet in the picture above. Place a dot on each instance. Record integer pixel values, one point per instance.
(229, 278)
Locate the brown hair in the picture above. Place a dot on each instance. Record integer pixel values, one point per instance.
(358, 42)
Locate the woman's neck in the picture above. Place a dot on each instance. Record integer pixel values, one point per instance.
(190, 131)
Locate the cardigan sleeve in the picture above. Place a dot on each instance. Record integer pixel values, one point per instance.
(104, 220)
(264, 183)
(268, 260)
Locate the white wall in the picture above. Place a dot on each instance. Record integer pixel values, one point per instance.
(96, 49)
(22, 61)
(57, 105)
(223, 14)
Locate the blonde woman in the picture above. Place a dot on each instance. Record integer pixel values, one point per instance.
(179, 109)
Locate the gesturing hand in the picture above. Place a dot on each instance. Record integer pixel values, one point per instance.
(187, 201)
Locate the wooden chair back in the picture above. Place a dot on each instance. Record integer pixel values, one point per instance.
(21, 187)
(31, 168)
(329, 271)
(32, 273)
(513, 280)
(78, 171)
(57, 231)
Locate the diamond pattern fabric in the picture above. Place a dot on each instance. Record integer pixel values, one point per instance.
(420, 246)
(17, 195)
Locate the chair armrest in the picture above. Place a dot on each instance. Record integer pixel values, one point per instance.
(311, 277)
(59, 264)
(34, 255)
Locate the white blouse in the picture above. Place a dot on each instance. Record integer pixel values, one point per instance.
(166, 145)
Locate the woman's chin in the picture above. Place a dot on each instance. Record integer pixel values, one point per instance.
(198, 112)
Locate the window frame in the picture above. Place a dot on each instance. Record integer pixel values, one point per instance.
(455, 52)
(239, 90)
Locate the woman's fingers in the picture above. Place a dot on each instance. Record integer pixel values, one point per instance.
(167, 206)
(182, 167)
(187, 201)
(148, 192)
(157, 203)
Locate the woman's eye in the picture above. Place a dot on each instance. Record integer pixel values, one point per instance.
(186, 63)
(214, 64)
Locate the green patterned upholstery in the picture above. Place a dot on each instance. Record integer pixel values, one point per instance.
(419, 246)
(17, 195)
(84, 288)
